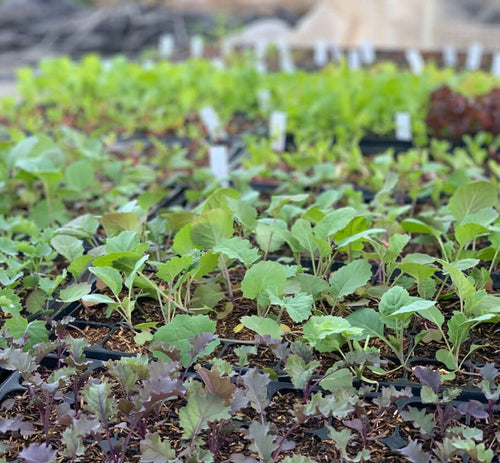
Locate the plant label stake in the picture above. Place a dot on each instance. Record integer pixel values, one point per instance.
(219, 163)
(277, 130)
(166, 45)
(367, 52)
(474, 57)
(264, 100)
(226, 47)
(415, 61)
(495, 66)
(260, 50)
(403, 126)
(196, 46)
(353, 60)
(286, 60)
(320, 53)
(218, 63)
(212, 123)
(450, 56)
(337, 53)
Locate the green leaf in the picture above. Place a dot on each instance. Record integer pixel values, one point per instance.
(262, 277)
(369, 320)
(299, 306)
(110, 277)
(414, 225)
(327, 333)
(119, 221)
(209, 228)
(412, 308)
(262, 326)
(74, 292)
(349, 278)
(156, 450)
(173, 268)
(337, 379)
(434, 315)
(182, 241)
(334, 222)
(35, 331)
(79, 175)
(149, 198)
(98, 299)
(312, 284)
(464, 287)
(78, 265)
(361, 236)
(269, 234)
(202, 408)
(418, 266)
(245, 213)
(446, 357)
(181, 329)
(99, 401)
(471, 198)
(238, 248)
(262, 440)
(391, 302)
(125, 241)
(299, 372)
(67, 246)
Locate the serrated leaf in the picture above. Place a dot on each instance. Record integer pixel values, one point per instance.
(67, 246)
(211, 227)
(471, 198)
(99, 401)
(420, 418)
(202, 408)
(125, 241)
(299, 372)
(349, 278)
(155, 450)
(78, 265)
(262, 326)
(262, 441)
(415, 453)
(299, 306)
(238, 248)
(256, 389)
(261, 277)
(334, 222)
(216, 384)
(38, 453)
(173, 268)
(181, 329)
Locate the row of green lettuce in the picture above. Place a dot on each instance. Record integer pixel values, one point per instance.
(128, 97)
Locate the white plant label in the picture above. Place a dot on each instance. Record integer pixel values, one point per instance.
(415, 61)
(226, 47)
(107, 64)
(337, 52)
(353, 60)
(367, 51)
(474, 57)
(218, 63)
(450, 58)
(286, 60)
(166, 45)
(212, 123)
(260, 50)
(219, 163)
(264, 100)
(196, 46)
(277, 130)
(403, 126)
(495, 65)
(320, 53)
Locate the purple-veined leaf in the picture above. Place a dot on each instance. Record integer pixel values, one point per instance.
(256, 385)
(36, 453)
(489, 372)
(262, 442)
(156, 450)
(216, 384)
(390, 394)
(422, 420)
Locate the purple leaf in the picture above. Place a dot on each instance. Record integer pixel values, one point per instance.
(489, 372)
(38, 453)
(355, 424)
(240, 458)
(200, 342)
(415, 453)
(473, 408)
(17, 424)
(256, 385)
(428, 377)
